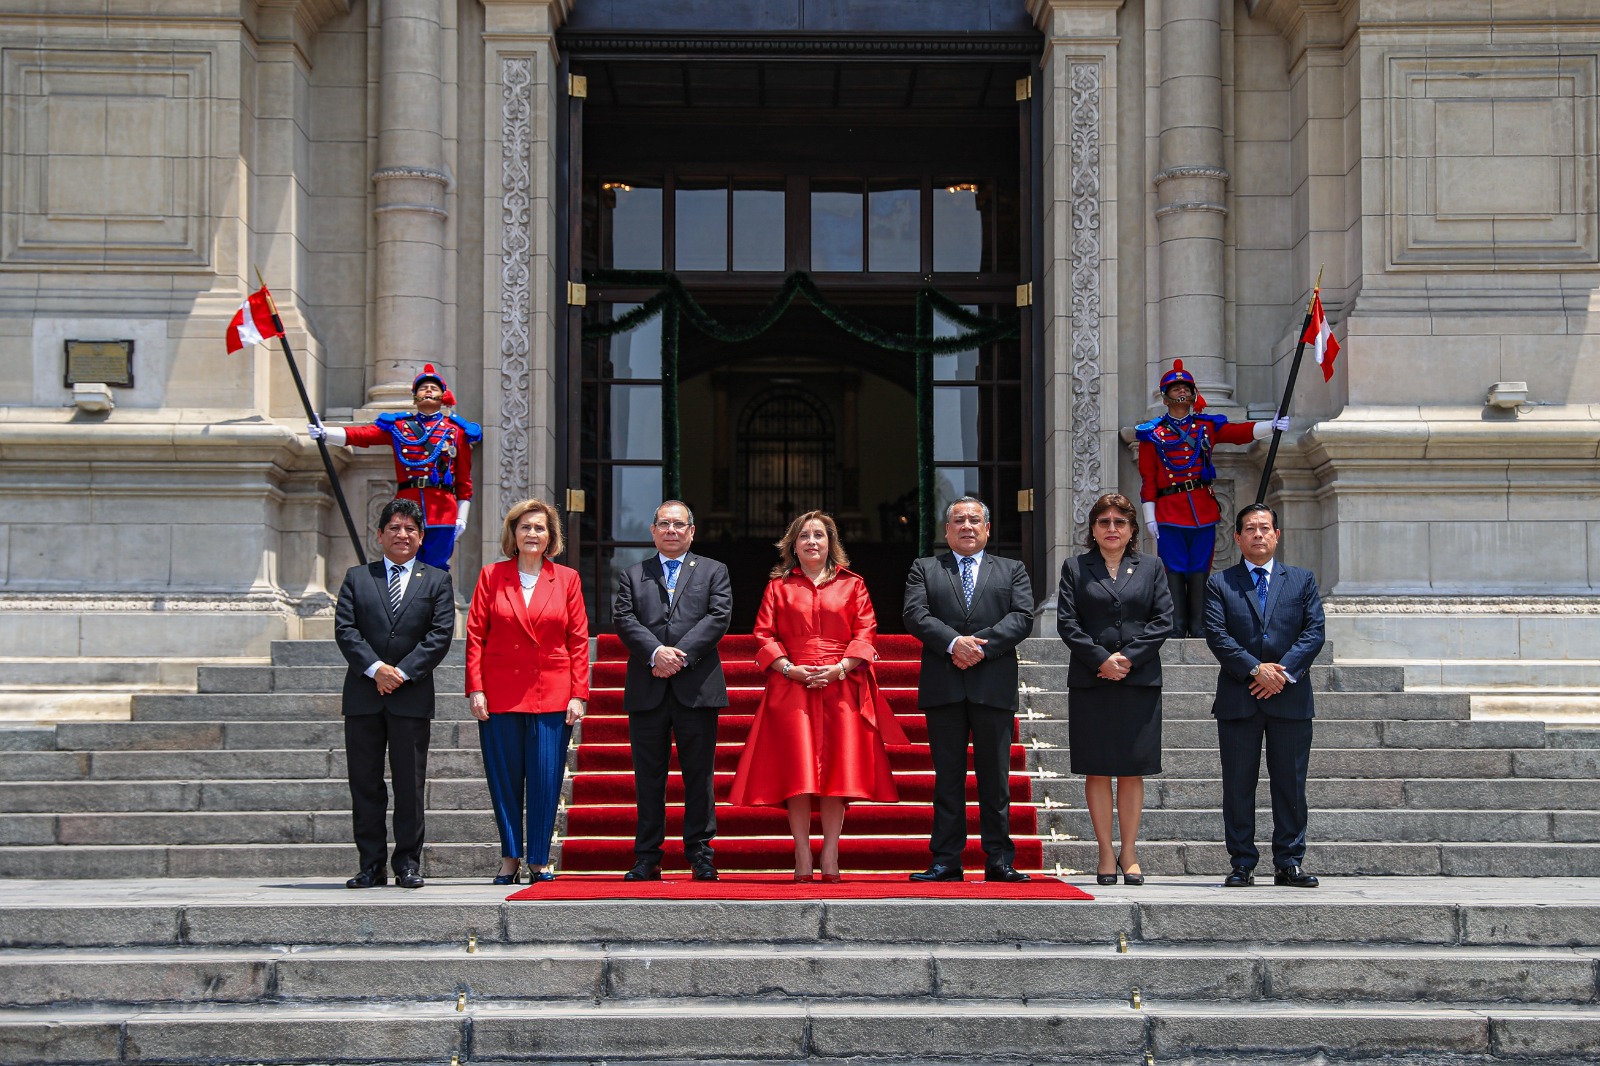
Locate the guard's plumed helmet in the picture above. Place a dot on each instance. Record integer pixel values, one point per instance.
(428, 374)
(1179, 376)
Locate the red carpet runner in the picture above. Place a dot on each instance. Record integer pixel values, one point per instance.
(780, 887)
(877, 837)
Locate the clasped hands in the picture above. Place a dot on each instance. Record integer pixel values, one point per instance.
(668, 662)
(388, 679)
(1116, 667)
(818, 676)
(1269, 681)
(967, 652)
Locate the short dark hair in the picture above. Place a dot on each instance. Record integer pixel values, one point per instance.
(407, 508)
(1238, 519)
(949, 508)
(669, 503)
(1113, 501)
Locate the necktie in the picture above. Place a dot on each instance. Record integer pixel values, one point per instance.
(967, 583)
(672, 575)
(1261, 587)
(395, 587)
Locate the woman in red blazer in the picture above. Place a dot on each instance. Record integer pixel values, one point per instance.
(527, 681)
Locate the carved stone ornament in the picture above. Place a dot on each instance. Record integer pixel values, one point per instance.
(1085, 336)
(516, 295)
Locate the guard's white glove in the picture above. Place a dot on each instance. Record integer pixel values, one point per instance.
(1263, 429)
(463, 508)
(1150, 524)
(1281, 423)
(332, 434)
(316, 430)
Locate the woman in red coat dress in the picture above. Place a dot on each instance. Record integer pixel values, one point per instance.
(822, 724)
(527, 681)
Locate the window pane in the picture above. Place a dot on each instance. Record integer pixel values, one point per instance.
(894, 230)
(950, 483)
(637, 353)
(955, 424)
(758, 229)
(957, 366)
(957, 228)
(702, 228)
(836, 230)
(635, 422)
(631, 226)
(635, 491)
(613, 561)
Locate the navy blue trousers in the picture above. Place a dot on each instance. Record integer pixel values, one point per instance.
(525, 755)
(1288, 744)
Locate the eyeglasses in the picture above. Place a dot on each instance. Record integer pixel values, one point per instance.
(1112, 523)
(678, 527)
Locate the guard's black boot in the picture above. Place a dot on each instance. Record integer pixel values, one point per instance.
(1180, 604)
(1197, 603)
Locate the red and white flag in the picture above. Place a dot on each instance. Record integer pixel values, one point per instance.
(1320, 336)
(253, 322)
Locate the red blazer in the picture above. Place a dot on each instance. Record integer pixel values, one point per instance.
(532, 659)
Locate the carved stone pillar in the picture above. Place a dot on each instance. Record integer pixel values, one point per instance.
(1191, 189)
(1078, 91)
(409, 186)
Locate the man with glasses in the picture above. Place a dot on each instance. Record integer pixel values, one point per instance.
(394, 622)
(1264, 624)
(970, 609)
(670, 611)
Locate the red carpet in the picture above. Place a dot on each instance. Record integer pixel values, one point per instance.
(877, 837)
(780, 887)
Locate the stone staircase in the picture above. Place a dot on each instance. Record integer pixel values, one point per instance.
(246, 776)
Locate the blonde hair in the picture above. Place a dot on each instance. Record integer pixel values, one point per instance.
(552, 521)
(787, 560)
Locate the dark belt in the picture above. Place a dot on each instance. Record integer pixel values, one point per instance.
(1194, 484)
(424, 483)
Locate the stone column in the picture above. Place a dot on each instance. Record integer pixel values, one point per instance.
(409, 186)
(1191, 187)
(1077, 295)
(522, 294)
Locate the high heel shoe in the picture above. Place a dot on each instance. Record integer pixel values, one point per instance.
(1105, 879)
(831, 879)
(1129, 879)
(512, 878)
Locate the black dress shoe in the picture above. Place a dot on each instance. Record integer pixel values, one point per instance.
(408, 877)
(1294, 877)
(1239, 877)
(644, 871)
(703, 870)
(369, 877)
(939, 872)
(1005, 872)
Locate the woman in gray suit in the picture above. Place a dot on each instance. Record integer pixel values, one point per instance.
(1114, 612)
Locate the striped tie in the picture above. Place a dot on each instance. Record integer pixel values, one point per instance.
(1261, 588)
(395, 587)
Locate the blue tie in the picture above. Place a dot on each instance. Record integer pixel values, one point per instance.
(1261, 588)
(672, 575)
(967, 583)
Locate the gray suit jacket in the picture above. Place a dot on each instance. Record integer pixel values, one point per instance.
(936, 613)
(1290, 634)
(413, 638)
(693, 621)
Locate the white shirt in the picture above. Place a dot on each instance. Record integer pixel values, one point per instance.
(977, 568)
(406, 569)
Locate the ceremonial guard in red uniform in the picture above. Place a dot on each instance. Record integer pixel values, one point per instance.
(432, 460)
(1175, 471)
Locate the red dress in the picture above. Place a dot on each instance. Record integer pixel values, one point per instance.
(827, 741)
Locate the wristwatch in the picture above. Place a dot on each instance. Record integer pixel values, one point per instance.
(1255, 670)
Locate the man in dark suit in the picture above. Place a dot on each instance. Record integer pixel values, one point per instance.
(671, 610)
(1264, 624)
(970, 610)
(394, 623)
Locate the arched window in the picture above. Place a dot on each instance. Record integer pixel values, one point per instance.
(785, 459)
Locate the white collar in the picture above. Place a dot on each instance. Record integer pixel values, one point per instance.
(976, 557)
(408, 566)
(663, 560)
(1251, 567)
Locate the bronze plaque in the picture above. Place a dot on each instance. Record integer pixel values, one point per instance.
(109, 362)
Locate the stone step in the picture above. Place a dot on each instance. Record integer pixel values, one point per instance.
(326, 794)
(1337, 733)
(33, 977)
(1343, 826)
(1208, 856)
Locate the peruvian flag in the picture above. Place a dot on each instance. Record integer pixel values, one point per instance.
(253, 322)
(1320, 336)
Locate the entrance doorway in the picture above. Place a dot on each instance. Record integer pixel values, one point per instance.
(916, 183)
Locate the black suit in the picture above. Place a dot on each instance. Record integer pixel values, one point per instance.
(979, 703)
(414, 639)
(1290, 634)
(683, 707)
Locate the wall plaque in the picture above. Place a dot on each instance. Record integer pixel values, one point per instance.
(108, 362)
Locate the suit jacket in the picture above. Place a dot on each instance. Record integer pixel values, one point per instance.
(1291, 634)
(414, 638)
(533, 658)
(1096, 618)
(693, 621)
(1001, 613)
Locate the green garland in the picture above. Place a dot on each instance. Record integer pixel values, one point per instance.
(674, 303)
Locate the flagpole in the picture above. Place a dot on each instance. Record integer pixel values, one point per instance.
(311, 415)
(1288, 391)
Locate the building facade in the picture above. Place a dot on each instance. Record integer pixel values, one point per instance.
(998, 221)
